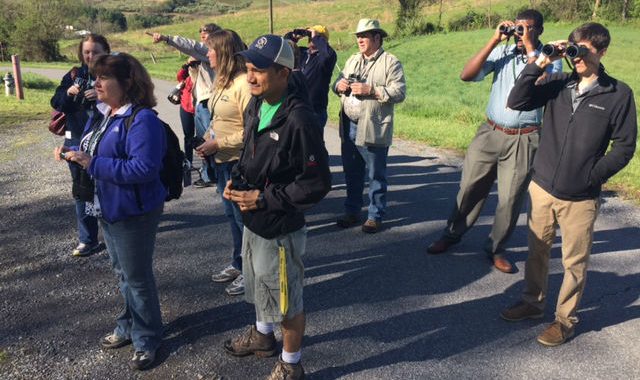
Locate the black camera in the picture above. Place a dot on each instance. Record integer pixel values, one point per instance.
(197, 141)
(302, 32)
(570, 51)
(239, 183)
(175, 95)
(510, 30)
(352, 78)
(84, 85)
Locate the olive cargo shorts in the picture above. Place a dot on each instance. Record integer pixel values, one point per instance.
(261, 272)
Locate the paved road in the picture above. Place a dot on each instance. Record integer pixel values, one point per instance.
(377, 306)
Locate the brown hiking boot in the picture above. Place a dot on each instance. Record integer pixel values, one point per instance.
(371, 226)
(286, 371)
(555, 334)
(347, 220)
(520, 312)
(251, 342)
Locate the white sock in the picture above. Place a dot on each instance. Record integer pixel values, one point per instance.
(264, 328)
(291, 357)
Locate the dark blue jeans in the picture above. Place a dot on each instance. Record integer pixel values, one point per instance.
(232, 211)
(130, 244)
(358, 161)
(87, 224)
(189, 130)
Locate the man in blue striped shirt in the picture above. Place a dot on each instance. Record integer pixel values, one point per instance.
(504, 145)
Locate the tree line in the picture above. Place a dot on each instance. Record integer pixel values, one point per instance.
(410, 20)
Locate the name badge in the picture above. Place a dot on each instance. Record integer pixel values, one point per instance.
(67, 135)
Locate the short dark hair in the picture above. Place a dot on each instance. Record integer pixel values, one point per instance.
(593, 32)
(210, 28)
(130, 74)
(531, 14)
(96, 38)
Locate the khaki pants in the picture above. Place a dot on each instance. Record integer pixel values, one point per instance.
(493, 155)
(576, 220)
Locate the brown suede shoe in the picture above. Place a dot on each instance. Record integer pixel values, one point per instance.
(502, 264)
(371, 226)
(520, 312)
(440, 246)
(286, 371)
(252, 342)
(347, 220)
(555, 334)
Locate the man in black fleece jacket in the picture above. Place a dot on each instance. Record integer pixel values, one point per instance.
(585, 111)
(283, 170)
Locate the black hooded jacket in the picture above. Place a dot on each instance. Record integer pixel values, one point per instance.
(287, 161)
(572, 161)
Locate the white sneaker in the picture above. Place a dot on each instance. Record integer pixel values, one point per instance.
(227, 274)
(236, 288)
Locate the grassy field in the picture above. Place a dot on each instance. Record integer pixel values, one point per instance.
(29, 115)
(440, 109)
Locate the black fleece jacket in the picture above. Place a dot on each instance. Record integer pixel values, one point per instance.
(287, 161)
(572, 161)
(76, 112)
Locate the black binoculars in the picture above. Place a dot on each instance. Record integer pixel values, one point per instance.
(570, 51)
(509, 30)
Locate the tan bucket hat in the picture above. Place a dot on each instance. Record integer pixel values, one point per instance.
(369, 25)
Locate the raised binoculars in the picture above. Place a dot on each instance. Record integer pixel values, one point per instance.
(509, 30)
(570, 51)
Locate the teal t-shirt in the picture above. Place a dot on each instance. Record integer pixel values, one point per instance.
(267, 111)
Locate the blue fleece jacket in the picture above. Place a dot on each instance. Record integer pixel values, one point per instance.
(127, 164)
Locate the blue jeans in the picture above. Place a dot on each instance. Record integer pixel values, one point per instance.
(202, 120)
(87, 224)
(355, 159)
(189, 130)
(130, 244)
(232, 211)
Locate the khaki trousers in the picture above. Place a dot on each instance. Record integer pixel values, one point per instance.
(493, 155)
(576, 221)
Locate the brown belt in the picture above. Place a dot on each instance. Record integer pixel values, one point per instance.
(513, 131)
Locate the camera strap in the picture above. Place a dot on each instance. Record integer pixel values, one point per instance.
(365, 66)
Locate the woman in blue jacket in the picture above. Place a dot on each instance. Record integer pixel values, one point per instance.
(127, 194)
(76, 97)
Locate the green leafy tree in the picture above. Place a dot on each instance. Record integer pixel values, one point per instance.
(36, 28)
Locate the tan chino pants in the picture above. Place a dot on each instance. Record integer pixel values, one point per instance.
(576, 221)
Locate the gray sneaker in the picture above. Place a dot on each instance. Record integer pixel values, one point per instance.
(236, 288)
(227, 274)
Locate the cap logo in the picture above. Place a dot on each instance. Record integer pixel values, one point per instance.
(261, 43)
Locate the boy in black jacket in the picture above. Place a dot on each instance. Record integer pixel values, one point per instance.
(585, 110)
(283, 170)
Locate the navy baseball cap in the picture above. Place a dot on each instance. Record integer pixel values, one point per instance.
(267, 50)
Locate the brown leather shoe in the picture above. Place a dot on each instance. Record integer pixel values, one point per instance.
(520, 312)
(502, 264)
(440, 246)
(555, 334)
(347, 220)
(250, 342)
(371, 226)
(286, 371)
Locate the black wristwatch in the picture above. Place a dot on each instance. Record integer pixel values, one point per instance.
(260, 204)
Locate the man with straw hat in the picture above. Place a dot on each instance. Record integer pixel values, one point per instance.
(369, 86)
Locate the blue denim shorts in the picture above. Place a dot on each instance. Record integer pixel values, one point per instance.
(261, 270)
